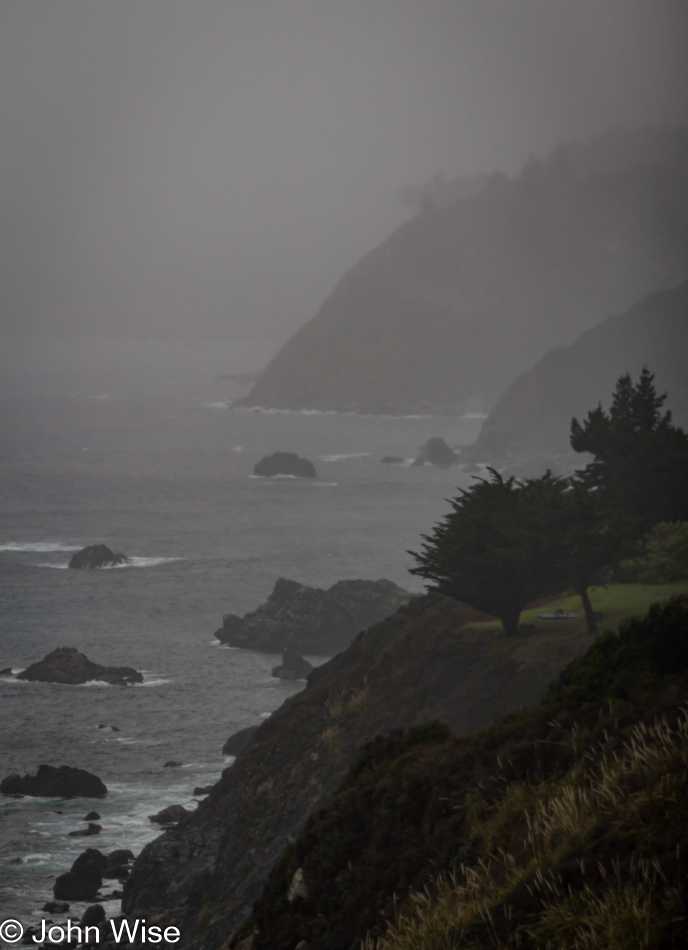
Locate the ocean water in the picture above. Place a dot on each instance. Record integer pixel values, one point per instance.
(133, 445)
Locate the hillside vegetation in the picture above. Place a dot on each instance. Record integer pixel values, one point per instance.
(531, 419)
(466, 295)
(558, 827)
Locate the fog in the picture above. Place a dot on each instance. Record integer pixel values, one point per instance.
(210, 169)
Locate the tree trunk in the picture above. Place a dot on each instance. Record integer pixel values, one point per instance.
(589, 612)
(510, 622)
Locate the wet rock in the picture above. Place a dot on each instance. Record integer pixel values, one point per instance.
(56, 907)
(284, 463)
(313, 621)
(92, 816)
(436, 452)
(117, 866)
(83, 881)
(50, 782)
(202, 790)
(66, 665)
(239, 740)
(170, 816)
(92, 829)
(6, 672)
(92, 916)
(293, 666)
(172, 764)
(96, 555)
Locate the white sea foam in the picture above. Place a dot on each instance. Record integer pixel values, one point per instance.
(143, 562)
(41, 547)
(344, 455)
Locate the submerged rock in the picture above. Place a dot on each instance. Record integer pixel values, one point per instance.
(91, 829)
(284, 463)
(170, 816)
(313, 621)
(67, 665)
(96, 555)
(50, 782)
(292, 667)
(436, 452)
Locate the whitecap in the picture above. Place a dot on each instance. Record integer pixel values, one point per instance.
(344, 455)
(56, 567)
(40, 547)
(142, 562)
(155, 681)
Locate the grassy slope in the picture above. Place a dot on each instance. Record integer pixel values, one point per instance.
(424, 802)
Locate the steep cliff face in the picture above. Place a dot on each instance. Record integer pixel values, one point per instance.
(461, 299)
(533, 417)
(420, 664)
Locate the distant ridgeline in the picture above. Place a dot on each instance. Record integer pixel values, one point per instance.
(533, 417)
(471, 292)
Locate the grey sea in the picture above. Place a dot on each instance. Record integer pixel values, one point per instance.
(134, 445)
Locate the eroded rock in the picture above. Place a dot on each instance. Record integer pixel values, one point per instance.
(51, 782)
(66, 665)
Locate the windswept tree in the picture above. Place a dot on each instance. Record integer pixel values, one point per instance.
(499, 547)
(640, 459)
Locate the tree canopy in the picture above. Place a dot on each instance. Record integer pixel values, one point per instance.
(497, 549)
(640, 459)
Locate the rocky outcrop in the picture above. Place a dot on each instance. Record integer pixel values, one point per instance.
(50, 782)
(312, 621)
(284, 463)
(417, 665)
(239, 740)
(170, 816)
(462, 299)
(292, 667)
(436, 452)
(96, 555)
(83, 881)
(532, 420)
(67, 665)
(91, 829)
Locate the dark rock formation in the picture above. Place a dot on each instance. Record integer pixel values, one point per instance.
(460, 300)
(533, 417)
(284, 463)
(292, 667)
(117, 865)
(169, 816)
(50, 782)
(436, 452)
(416, 665)
(83, 881)
(239, 740)
(6, 672)
(92, 816)
(67, 665)
(56, 907)
(392, 460)
(96, 555)
(92, 829)
(312, 621)
(92, 916)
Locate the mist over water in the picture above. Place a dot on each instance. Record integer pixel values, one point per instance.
(133, 446)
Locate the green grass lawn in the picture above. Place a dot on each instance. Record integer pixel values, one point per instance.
(616, 602)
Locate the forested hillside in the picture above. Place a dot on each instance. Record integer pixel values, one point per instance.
(468, 294)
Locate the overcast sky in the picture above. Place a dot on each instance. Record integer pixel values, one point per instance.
(213, 167)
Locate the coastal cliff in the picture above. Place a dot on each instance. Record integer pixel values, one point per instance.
(462, 298)
(427, 661)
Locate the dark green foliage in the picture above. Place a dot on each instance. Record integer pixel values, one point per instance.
(640, 459)
(662, 556)
(419, 802)
(498, 549)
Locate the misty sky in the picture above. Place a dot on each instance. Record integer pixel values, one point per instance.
(213, 167)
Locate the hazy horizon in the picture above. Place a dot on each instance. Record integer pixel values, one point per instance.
(213, 169)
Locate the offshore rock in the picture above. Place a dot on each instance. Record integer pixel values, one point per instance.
(284, 463)
(96, 555)
(436, 452)
(169, 816)
(50, 782)
(67, 665)
(312, 621)
(84, 880)
(414, 666)
(292, 667)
